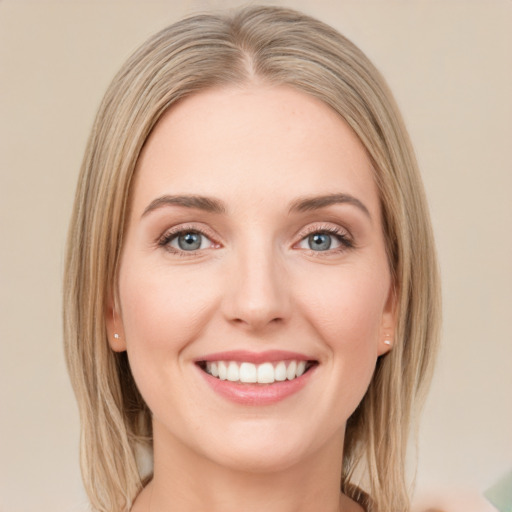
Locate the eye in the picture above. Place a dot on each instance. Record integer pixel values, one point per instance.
(319, 241)
(190, 241)
(186, 240)
(323, 240)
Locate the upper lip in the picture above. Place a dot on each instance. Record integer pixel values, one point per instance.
(255, 357)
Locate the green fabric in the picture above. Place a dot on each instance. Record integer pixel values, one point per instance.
(500, 494)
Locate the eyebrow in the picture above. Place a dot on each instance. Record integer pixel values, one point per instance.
(307, 204)
(207, 204)
(212, 205)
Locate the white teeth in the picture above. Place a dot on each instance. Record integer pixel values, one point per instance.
(280, 371)
(232, 372)
(292, 368)
(248, 372)
(223, 370)
(265, 373)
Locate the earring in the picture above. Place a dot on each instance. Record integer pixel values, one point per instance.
(116, 336)
(387, 342)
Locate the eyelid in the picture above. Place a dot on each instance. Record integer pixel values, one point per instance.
(188, 227)
(343, 235)
(323, 227)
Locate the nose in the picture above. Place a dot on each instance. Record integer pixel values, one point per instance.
(257, 295)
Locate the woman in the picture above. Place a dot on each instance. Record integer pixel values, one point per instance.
(251, 286)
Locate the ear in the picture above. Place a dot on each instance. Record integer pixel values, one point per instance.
(114, 325)
(388, 324)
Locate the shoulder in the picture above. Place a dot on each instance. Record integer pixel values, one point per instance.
(454, 501)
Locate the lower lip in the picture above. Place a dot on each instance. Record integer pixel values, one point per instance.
(257, 394)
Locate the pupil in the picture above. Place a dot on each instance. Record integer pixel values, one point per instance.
(320, 241)
(189, 241)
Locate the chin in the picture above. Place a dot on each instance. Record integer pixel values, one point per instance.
(265, 448)
(258, 460)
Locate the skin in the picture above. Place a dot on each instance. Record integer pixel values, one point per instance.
(255, 284)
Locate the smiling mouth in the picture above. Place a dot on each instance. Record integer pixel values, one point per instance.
(250, 373)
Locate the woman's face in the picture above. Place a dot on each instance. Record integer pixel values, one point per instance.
(254, 251)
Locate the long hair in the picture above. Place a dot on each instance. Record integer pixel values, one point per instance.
(275, 46)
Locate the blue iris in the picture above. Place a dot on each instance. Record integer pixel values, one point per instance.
(190, 241)
(319, 241)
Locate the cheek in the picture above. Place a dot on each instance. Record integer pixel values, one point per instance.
(162, 313)
(161, 307)
(346, 309)
(346, 306)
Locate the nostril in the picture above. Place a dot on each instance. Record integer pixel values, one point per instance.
(257, 321)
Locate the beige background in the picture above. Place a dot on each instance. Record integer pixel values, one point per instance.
(450, 66)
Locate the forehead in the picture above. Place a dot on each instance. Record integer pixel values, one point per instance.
(253, 143)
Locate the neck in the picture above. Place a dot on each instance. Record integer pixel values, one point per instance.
(187, 482)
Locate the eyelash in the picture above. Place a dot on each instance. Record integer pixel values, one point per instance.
(341, 236)
(346, 242)
(165, 240)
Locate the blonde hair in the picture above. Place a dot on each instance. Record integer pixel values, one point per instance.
(276, 46)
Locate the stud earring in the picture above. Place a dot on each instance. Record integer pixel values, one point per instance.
(387, 342)
(116, 336)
